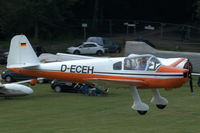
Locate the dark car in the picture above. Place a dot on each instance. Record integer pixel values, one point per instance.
(61, 86)
(3, 57)
(10, 76)
(108, 44)
(39, 50)
(4, 54)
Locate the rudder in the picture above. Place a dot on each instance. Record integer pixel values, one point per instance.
(21, 53)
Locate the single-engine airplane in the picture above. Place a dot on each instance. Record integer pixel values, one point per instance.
(135, 71)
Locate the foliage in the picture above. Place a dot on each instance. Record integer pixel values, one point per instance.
(198, 9)
(34, 16)
(49, 19)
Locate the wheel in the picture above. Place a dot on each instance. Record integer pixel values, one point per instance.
(57, 89)
(76, 52)
(8, 79)
(40, 81)
(99, 52)
(141, 112)
(160, 106)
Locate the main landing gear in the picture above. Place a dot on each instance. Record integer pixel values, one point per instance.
(141, 107)
(138, 105)
(158, 100)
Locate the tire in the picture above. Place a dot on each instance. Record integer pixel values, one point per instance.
(141, 112)
(8, 79)
(76, 52)
(57, 89)
(41, 81)
(99, 53)
(160, 106)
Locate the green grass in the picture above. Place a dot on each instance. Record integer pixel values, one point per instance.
(48, 112)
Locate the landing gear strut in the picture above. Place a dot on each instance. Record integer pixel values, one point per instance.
(138, 105)
(158, 100)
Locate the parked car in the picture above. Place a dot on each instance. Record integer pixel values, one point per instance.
(11, 76)
(4, 54)
(108, 44)
(87, 48)
(3, 57)
(39, 50)
(61, 86)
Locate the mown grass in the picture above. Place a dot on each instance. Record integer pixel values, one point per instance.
(48, 112)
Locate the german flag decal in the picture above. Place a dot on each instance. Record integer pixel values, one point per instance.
(23, 44)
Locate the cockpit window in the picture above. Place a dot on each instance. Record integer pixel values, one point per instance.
(146, 62)
(135, 63)
(117, 66)
(129, 64)
(153, 64)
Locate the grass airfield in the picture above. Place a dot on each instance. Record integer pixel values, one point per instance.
(48, 112)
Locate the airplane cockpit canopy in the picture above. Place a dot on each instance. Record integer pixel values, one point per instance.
(141, 62)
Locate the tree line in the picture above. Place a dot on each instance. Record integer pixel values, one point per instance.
(51, 18)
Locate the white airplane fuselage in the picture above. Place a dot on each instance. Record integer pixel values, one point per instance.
(81, 70)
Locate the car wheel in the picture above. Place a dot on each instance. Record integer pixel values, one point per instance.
(8, 79)
(41, 81)
(76, 52)
(57, 89)
(99, 52)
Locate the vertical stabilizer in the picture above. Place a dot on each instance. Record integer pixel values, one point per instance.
(21, 53)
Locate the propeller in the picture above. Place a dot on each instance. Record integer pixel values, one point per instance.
(190, 82)
(188, 66)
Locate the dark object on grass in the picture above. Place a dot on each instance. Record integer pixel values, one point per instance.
(61, 86)
(10, 76)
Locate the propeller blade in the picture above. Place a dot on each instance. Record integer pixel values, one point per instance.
(191, 85)
(188, 66)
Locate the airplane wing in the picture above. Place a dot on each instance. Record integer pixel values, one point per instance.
(22, 82)
(116, 83)
(31, 81)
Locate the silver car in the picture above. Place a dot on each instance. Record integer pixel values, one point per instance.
(87, 48)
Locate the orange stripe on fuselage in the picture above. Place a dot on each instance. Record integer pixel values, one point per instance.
(177, 62)
(169, 69)
(81, 78)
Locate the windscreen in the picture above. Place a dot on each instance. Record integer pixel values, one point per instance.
(143, 63)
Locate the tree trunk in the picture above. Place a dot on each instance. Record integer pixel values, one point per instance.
(36, 32)
(95, 15)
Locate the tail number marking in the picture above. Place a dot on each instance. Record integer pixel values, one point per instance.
(77, 69)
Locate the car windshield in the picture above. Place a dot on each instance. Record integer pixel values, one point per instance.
(143, 63)
(77, 45)
(98, 40)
